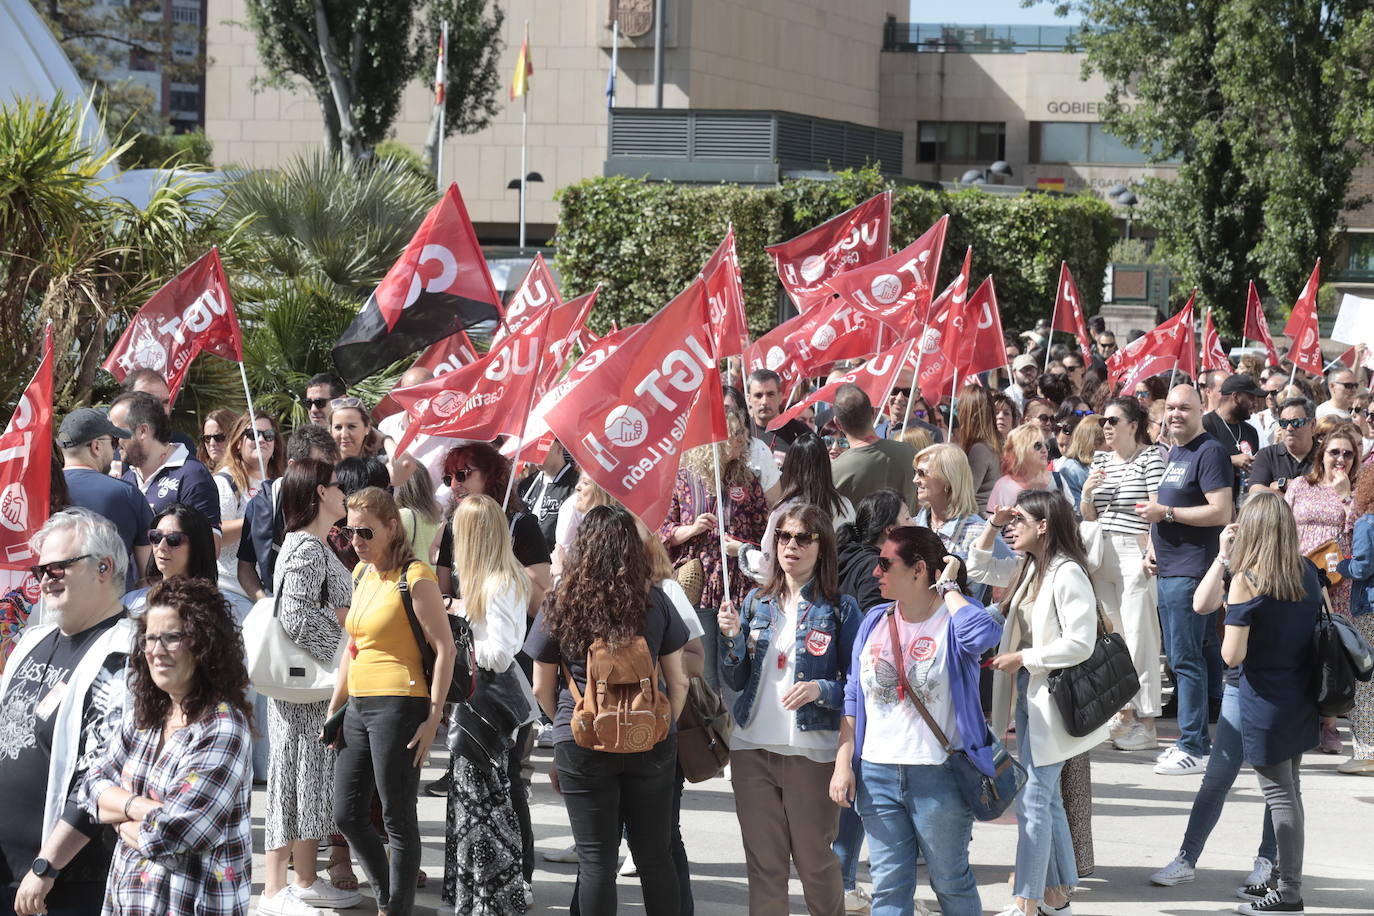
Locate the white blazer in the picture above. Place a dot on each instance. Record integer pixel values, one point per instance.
(1063, 629)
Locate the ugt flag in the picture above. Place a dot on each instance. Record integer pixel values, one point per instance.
(1306, 349)
(440, 286)
(26, 466)
(725, 295)
(876, 377)
(856, 237)
(1068, 312)
(1257, 326)
(897, 290)
(1213, 356)
(1167, 347)
(193, 312)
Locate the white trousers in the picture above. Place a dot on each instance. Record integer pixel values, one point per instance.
(1128, 596)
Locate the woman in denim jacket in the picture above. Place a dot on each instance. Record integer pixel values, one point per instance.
(788, 656)
(1359, 569)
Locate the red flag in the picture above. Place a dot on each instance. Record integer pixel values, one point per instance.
(26, 465)
(811, 343)
(1257, 326)
(1305, 351)
(725, 294)
(565, 323)
(954, 301)
(453, 352)
(1213, 356)
(985, 347)
(897, 290)
(439, 286)
(875, 377)
(771, 352)
(628, 421)
(193, 312)
(1165, 348)
(1068, 312)
(536, 291)
(856, 237)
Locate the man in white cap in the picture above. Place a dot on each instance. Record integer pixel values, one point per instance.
(1025, 373)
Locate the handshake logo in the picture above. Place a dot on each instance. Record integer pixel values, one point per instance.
(626, 427)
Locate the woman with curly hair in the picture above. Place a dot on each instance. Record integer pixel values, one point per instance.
(606, 594)
(177, 781)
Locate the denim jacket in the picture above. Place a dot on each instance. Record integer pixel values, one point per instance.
(825, 644)
(1359, 566)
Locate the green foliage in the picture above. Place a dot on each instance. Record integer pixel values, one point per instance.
(152, 151)
(645, 241)
(404, 156)
(474, 46)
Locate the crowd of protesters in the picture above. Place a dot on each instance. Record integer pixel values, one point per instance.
(865, 595)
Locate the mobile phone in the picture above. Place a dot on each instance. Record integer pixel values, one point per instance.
(1281, 483)
(332, 731)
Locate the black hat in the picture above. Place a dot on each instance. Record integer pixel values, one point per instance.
(84, 424)
(1242, 383)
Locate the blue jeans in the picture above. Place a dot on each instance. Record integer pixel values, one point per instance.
(906, 807)
(1222, 768)
(1190, 642)
(710, 644)
(848, 844)
(1044, 846)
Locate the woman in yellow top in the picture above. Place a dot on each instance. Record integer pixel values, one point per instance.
(392, 712)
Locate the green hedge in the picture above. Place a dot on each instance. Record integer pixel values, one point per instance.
(644, 241)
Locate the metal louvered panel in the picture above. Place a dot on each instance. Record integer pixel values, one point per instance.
(888, 150)
(794, 141)
(650, 134)
(732, 136)
(827, 144)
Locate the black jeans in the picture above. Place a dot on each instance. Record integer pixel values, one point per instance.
(376, 731)
(520, 799)
(603, 790)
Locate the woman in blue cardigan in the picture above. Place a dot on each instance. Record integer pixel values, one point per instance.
(890, 762)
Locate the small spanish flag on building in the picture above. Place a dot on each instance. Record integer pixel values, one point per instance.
(1049, 184)
(524, 69)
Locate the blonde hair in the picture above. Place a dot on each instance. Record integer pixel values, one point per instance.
(917, 437)
(950, 462)
(733, 471)
(378, 503)
(660, 566)
(482, 556)
(1087, 438)
(417, 495)
(597, 497)
(1265, 550)
(1019, 448)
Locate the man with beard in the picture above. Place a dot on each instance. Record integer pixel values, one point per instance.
(163, 470)
(1240, 394)
(764, 399)
(88, 440)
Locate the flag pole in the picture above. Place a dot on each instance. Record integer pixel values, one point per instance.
(439, 144)
(262, 465)
(524, 135)
(720, 522)
(525, 419)
(915, 378)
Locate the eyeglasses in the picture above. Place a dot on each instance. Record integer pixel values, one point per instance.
(460, 475)
(1041, 417)
(1082, 412)
(1104, 345)
(1340, 453)
(174, 539)
(904, 392)
(1019, 518)
(262, 435)
(315, 403)
(346, 403)
(333, 483)
(1295, 423)
(1040, 446)
(57, 569)
(1112, 421)
(361, 531)
(919, 414)
(800, 538)
(1346, 385)
(169, 641)
(885, 564)
(214, 437)
(839, 442)
(1142, 395)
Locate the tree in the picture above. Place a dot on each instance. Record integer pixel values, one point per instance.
(1264, 105)
(474, 44)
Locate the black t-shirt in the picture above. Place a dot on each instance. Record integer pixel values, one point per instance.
(29, 712)
(527, 541)
(663, 630)
(1275, 461)
(545, 497)
(779, 440)
(1192, 471)
(1236, 438)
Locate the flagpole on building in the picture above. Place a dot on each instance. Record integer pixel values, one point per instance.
(442, 91)
(262, 465)
(720, 522)
(524, 138)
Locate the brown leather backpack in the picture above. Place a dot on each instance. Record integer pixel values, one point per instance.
(622, 711)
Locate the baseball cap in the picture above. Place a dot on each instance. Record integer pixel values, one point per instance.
(84, 424)
(1022, 361)
(1242, 383)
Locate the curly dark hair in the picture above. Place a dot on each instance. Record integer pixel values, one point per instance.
(212, 638)
(604, 591)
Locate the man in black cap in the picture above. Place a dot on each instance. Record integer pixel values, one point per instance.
(88, 440)
(1240, 394)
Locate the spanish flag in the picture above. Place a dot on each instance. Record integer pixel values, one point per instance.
(524, 69)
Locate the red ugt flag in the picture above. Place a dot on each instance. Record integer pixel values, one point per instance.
(193, 312)
(26, 466)
(1306, 349)
(1167, 347)
(1257, 326)
(1213, 356)
(876, 377)
(629, 420)
(984, 347)
(440, 286)
(856, 237)
(725, 295)
(897, 290)
(1068, 312)
(536, 291)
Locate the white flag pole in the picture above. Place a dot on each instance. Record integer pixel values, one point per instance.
(915, 378)
(525, 419)
(443, 106)
(262, 465)
(720, 523)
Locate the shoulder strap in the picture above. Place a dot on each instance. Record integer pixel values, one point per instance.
(896, 640)
(229, 479)
(572, 684)
(409, 604)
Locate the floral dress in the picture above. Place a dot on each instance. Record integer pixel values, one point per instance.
(196, 851)
(1324, 515)
(745, 517)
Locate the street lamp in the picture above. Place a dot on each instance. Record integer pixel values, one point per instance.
(998, 170)
(516, 184)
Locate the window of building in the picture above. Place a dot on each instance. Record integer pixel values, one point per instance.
(142, 60)
(188, 15)
(1069, 141)
(961, 141)
(182, 100)
(1360, 250)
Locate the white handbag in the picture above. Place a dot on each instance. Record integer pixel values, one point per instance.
(277, 666)
(1091, 533)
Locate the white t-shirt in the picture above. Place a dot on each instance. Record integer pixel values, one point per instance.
(896, 733)
(763, 464)
(429, 451)
(683, 607)
(231, 506)
(1328, 409)
(569, 520)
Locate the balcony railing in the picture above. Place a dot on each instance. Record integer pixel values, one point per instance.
(976, 39)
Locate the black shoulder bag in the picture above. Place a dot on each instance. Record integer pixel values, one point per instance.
(1092, 691)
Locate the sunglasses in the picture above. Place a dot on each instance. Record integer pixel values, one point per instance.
(1346, 385)
(169, 641)
(919, 414)
(1295, 423)
(885, 564)
(1105, 346)
(1112, 421)
(1042, 417)
(315, 403)
(460, 475)
(1065, 428)
(904, 392)
(214, 437)
(1142, 395)
(56, 569)
(1083, 412)
(1340, 453)
(351, 531)
(1040, 447)
(800, 538)
(262, 435)
(174, 539)
(346, 403)
(834, 441)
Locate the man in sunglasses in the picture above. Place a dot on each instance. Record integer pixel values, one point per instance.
(88, 441)
(63, 694)
(1240, 396)
(1291, 456)
(1342, 385)
(319, 391)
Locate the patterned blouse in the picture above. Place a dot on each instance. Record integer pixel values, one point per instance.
(1323, 515)
(311, 581)
(745, 518)
(195, 852)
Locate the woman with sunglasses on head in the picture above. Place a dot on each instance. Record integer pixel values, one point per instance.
(214, 436)
(313, 592)
(787, 652)
(806, 478)
(392, 709)
(891, 764)
(238, 477)
(1051, 623)
(350, 424)
(944, 487)
(1080, 438)
(183, 544)
(1025, 466)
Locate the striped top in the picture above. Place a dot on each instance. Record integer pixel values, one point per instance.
(1127, 483)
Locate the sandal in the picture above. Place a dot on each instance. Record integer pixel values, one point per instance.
(421, 879)
(342, 877)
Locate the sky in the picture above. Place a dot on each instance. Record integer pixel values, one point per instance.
(991, 12)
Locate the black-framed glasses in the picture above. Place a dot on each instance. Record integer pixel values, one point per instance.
(904, 392)
(57, 568)
(332, 483)
(1040, 446)
(1112, 421)
(1019, 518)
(1072, 368)
(1294, 423)
(262, 435)
(835, 441)
(315, 403)
(1105, 345)
(174, 539)
(1041, 418)
(169, 641)
(460, 475)
(1346, 385)
(1340, 453)
(362, 531)
(207, 438)
(1065, 428)
(346, 403)
(800, 538)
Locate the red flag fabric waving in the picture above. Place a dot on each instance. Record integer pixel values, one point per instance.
(856, 237)
(453, 352)
(897, 290)
(193, 312)
(1068, 312)
(771, 352)
(565, 323)
(1167, 347)
(952, 312)
(536, 291)
(26, 465)
(439, 286)
(875, 377)
(629, 419)
(725, 296)
(1213, 356)
(984, 346)
(1306, 349)
(1257, 326)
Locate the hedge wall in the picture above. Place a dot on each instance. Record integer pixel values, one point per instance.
(644, 241)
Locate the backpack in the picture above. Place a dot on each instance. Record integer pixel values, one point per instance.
(623, 711)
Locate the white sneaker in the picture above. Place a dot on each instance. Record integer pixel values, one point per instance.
(564, 856)
(1119, 726)
(1044, 909)
(1181, 764)
(545, 736)
(1175, 873)
(1168, 751)
(326, 896)
(1138, 738)
(627, 868)
(1262, 872)
(1011, 910)
(858, 902)
(285, 903)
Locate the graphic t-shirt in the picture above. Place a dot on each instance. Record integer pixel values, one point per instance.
(1193, 470)
(1237, 439)
(896, 733)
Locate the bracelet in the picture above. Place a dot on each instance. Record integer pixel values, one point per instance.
(127, 802)
(945, 586)
(993, 524)
(1225, 562)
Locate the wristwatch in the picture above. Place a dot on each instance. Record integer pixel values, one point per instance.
(1169, 514)
(45, 869)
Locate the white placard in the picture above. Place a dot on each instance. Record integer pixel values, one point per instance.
(1354, 321)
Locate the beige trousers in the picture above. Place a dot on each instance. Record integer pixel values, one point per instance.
(1129, 598)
